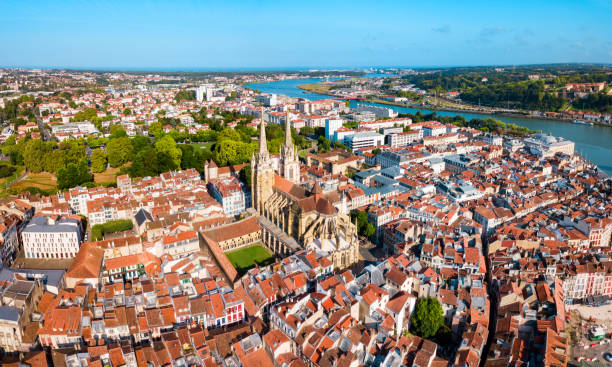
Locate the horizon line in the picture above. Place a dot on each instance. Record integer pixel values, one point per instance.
(285, 69)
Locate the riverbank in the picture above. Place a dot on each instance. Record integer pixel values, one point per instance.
(469, 110)
(592, 142)
(320, 88)
(324, 89)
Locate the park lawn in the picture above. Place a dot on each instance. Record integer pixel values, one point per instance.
(44, 181)
(246, 258)
(204, 145)
(110, 175)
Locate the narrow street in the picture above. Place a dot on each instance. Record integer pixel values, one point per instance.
(492, 291)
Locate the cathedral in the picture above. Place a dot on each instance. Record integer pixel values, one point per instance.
(308, 216)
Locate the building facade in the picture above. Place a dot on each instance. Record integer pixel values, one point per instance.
(47, 238)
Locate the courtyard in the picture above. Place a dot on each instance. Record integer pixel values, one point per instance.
(246, 258)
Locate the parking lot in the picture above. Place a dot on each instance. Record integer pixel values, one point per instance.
(582, 319)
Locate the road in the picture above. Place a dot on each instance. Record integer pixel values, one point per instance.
(45, 134)
(23, 175)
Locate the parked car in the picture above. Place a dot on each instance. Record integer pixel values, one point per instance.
(607, 357)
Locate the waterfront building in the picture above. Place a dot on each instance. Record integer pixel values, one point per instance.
(378, 111)
(547, 145)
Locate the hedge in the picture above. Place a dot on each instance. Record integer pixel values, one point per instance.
(99, 230)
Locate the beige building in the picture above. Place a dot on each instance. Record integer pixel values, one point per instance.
(335, 162)
(236, 235)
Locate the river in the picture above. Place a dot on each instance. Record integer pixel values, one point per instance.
(592, 142)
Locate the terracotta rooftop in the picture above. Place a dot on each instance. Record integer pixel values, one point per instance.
(87, 262)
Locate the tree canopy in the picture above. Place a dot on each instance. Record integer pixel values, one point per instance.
(119, 151)
(98, 160)
(364, 227)
(427, 317)
(167, 146)
(73, 175)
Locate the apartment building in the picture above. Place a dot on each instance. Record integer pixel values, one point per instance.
(231, 193)
(51, 237)
(364, 139)
(404, 138)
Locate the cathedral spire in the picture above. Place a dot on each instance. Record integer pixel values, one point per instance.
(288, 141)
(263, 144)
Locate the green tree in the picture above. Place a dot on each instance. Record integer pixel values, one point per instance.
(33, 155)
(83, 174)
(99, 230)
(368, 230)
(73, 175)
(119, 151)
(185, 95)
(444, 335)
(339, 145)
(427, 317)
(144, 164)
(95, 142)
(117, 131)
(324, 144)
(167, 145)
(307, 131)
(140, 142)
(73, 151)
(364, 227)
(53, 161)
(98, 160)
(245, 175)
(89, 114)
(155, 129)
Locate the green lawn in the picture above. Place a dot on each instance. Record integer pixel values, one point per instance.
(246, 258)
(205, 145)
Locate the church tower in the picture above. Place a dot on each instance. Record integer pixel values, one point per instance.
(289, 165)
(262, 173)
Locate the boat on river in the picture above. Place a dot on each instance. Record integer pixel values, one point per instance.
(581, 122)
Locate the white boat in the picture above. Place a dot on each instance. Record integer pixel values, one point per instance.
(580, 122)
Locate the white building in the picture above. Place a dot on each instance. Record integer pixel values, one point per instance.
(404, 138)
(364, 139)
(433, 128)
(204, 90)
(45, 237)
(268, 100)
(492, 139)
(341, 133)
(331, 125)
(71, 128)
(546, 145)
(378, 111)
(231, 193)
(181, 244)
(382, 124)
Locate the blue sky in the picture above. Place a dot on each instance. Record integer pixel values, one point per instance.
(311, 34)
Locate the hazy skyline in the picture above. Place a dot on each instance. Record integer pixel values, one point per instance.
(313, 34)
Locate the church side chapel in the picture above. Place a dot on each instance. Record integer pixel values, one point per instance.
(307, 215)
